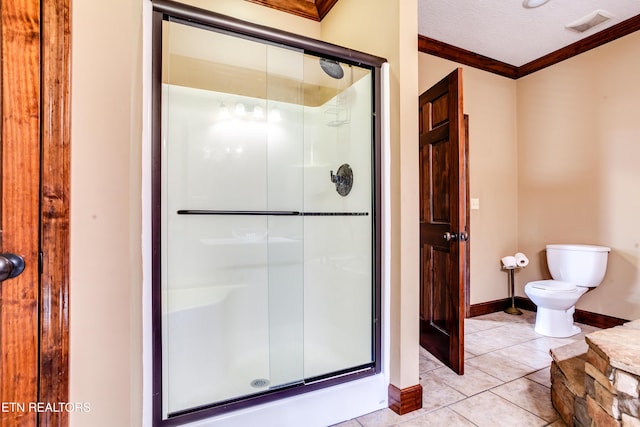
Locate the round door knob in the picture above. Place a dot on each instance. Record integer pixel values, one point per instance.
(449, 236)
(11, 265)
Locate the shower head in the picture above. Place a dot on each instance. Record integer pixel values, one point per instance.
(332, 68)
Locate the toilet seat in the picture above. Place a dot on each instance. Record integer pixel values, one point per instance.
(553, 286)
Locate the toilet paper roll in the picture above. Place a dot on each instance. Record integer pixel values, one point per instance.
(521, 260)
(509, 262)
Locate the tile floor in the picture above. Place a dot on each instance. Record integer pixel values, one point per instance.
(506, 380)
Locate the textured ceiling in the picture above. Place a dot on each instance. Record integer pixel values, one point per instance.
(505, 31)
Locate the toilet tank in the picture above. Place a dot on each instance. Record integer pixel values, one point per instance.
(582, 265)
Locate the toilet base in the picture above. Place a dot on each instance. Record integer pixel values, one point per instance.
(556, 323)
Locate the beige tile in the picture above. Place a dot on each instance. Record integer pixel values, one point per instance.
(472, 382)
(428, 364)
(350, 423)
(424, 353)
(522, 331)
(545, 344)
(436, 394)
(507, 319)
(382, 418)
(498, 347)
(587, 329)
(489, 410)
(525, 355)
(500, 366)
(542, 377)
(497, 338)
(475, 324)
(479, 343)
(441, 417)
(529, 395)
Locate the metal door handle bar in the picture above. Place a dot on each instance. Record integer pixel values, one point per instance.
(268, 213)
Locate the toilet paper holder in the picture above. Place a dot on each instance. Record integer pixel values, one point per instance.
(512, 309)
(511, 263)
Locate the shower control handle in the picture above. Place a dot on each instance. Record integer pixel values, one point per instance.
(449, 237)
(343, 179)
(335, 178)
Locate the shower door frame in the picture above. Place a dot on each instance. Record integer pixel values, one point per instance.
(207, 20)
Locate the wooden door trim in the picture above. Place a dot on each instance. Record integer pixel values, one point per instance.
(20, 127)
(55, 198)
(467, 244)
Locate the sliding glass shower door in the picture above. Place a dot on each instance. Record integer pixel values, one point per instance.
(265, 187)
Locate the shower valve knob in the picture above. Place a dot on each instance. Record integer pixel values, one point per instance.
(343, 179)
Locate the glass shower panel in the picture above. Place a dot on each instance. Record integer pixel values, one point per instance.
(267, 226)
(232, 264)
(338, 245)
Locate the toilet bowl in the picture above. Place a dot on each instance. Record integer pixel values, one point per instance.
(575, 269)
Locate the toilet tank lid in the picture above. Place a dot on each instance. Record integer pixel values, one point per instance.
(583, 248)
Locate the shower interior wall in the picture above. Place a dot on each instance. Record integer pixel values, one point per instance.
(305, 309)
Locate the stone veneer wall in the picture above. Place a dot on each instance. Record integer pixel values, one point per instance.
(597, 382)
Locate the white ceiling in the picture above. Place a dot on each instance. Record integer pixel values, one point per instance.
(505, 31)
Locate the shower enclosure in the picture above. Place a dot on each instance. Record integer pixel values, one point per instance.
(266, 216)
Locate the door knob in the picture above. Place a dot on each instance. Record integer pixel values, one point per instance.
(11, 265)
(450, 236)
(464, 236)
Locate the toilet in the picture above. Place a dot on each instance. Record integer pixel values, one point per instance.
(575, 269)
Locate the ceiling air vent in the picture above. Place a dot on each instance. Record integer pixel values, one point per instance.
(591, 20)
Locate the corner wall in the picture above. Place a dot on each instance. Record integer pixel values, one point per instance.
(554, 159)
(579, 168)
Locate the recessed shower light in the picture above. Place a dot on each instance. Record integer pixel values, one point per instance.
(530, 4)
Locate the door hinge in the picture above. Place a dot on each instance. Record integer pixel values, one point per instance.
(40, 262)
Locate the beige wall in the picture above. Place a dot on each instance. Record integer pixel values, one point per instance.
(106, 214)
(554, 159)
(261, 15)
(106, 261)
(579, 167)
(490, 102)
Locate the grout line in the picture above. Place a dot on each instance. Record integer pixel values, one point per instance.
(524, 409)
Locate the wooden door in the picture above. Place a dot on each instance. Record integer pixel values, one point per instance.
(34, 183)
(443, 221)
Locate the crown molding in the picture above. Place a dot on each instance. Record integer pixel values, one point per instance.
(605, 36)
(310, 9)
(462, 56)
